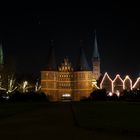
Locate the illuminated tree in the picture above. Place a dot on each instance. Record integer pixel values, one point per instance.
(11, 84)
(37, 87)
(24, 87)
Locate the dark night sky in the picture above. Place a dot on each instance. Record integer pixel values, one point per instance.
(26, 36)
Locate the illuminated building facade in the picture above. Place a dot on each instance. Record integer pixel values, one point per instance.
(127, 83)
(106, 83)
(66, 82)
(118, 84)
(137, 84)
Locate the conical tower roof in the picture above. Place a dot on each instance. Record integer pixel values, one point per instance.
(51, 60)
(82, 64)
(95, 51)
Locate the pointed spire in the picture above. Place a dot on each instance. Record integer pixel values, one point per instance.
(1, 55)
(96, 52)
(82, 63)
(51, 61)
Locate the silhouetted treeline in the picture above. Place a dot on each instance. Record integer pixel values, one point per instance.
(102, 95)
(133, 95)
(97, 95)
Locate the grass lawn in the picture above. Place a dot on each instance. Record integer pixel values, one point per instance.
(122, 118)
(94, 120)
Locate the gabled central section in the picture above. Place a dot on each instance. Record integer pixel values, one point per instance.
(65, 78)
(65, 66)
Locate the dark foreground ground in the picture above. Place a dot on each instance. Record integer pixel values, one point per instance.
(70, 121)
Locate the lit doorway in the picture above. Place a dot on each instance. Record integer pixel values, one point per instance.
(66, 97)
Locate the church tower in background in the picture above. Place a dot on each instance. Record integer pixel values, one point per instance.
(2, 71)
(1, 58)
(96, 59)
